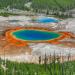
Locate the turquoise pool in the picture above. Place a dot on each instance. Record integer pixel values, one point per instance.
(46, 20)
(35, 35)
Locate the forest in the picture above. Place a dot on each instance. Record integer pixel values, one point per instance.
(61, 5)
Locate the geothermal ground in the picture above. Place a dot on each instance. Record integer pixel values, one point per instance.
(33, 50)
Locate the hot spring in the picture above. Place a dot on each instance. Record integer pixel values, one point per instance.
(46, 20)
(34, 35)
(23, 36)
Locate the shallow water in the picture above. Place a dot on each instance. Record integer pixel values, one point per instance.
(46, 20)
(13, 20)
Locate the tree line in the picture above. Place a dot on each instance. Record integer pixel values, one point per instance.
(53, 4)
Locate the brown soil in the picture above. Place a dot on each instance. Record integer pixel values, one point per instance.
(10, 49)
(68, 43)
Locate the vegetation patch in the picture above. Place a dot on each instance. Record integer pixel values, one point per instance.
(15, 68)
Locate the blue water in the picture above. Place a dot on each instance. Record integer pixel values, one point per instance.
(46, 20)
(32, 35)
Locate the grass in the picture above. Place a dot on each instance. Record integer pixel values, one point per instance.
(15, 68)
